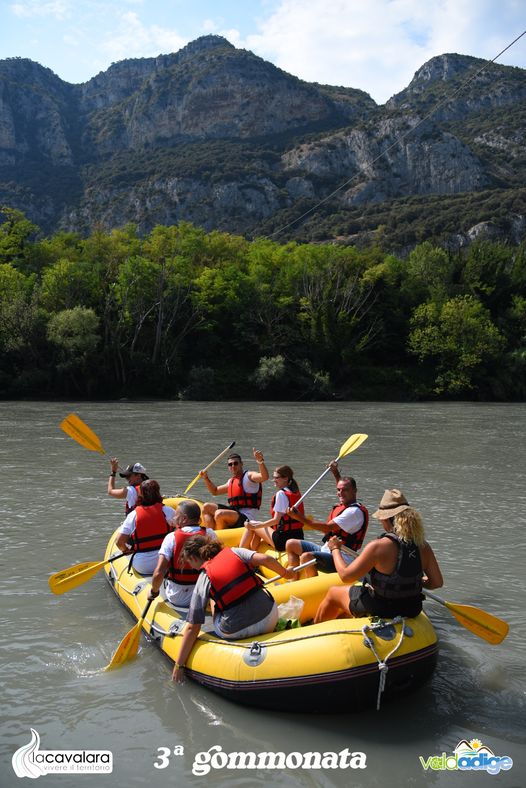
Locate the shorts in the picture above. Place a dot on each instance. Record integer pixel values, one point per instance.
(280, 538)
(363, 603)
(266, 624)
(242, 518)
(324, 560)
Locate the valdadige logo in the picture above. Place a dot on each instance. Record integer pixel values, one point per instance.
(30, 761)
(467, 756)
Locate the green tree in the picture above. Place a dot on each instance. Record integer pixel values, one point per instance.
(16, 235)
(74, 332)
(460, 335)
(428, 274)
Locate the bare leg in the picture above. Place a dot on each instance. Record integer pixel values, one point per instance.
(311, 571)
(249, 539)
(335, 604)
(208, 515)
(293, 552)
(225, 518)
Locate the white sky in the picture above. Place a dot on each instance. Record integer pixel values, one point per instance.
(374, 45)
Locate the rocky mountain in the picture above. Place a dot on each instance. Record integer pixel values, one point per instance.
(219, 137)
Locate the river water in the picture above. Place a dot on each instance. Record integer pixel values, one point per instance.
(461, 465)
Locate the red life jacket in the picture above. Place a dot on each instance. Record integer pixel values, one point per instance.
(239, 498)
(287, 523)
(183, 574)
(128, 509)
(352, 541)
(231, 580)
(150, 528)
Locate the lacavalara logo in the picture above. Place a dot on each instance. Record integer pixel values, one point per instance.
(31, 761)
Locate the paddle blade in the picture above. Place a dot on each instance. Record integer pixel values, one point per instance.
(351, 444)
(80, 432)
(127, 648)
(70, 578)
(192, 483)
(481, 623)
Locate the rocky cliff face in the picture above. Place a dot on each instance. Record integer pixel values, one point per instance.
(217, 136)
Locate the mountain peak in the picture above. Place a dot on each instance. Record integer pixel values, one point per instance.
(205, 44)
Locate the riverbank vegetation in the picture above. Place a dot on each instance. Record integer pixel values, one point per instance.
(181, 313)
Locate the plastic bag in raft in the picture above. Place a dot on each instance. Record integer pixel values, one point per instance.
(289, 613)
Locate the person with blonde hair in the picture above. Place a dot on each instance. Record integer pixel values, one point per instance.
(281, 526)
(400, 564)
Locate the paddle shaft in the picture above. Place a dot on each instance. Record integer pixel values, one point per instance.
(296, 569)
(350, 445)
(210, 465)
(318, 480)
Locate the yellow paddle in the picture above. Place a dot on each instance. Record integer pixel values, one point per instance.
(129, 645)
(80, 432)
(210, 464)
(482, 624)
(350, 445)
(70, 578)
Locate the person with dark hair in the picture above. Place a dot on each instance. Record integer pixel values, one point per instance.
(348, 520)
(176, 579)
(145, 527)
(134, 475)
(400, 564)
(244, 494)
(243, 607)
(281, 526)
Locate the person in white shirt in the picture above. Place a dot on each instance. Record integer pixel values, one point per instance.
(134, 475)
(174, 580)
(348, 520)
(244, 493)
(144, 529)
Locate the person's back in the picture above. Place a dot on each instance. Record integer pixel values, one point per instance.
(144, 529)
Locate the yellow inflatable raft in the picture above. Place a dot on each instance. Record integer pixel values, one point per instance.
(347, 664)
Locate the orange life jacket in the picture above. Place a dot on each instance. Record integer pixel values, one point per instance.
(183, 574)
(287, 523)
(239, 498)
(150, 528)
(231, 579)
(352, 541)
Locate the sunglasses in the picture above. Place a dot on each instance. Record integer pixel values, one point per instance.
(233, 463)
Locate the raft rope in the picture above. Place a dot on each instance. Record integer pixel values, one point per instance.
(382, 663)
(367, 628)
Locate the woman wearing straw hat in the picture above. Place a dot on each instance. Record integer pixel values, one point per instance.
(399, 563)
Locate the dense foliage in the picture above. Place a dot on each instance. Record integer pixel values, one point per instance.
(184, 313)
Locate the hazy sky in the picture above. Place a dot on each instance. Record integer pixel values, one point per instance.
(374, 45)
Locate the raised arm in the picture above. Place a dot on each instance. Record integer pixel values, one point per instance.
(262, 474)
(112, 492)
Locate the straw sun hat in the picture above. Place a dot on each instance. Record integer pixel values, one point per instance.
(393, 502)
